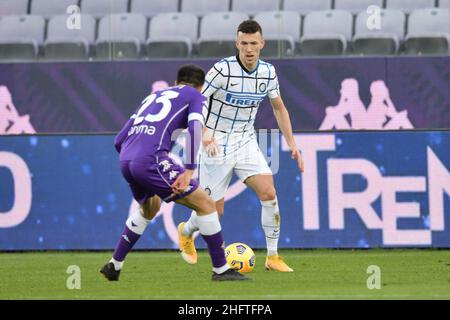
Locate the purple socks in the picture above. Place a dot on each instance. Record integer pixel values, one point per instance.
(125, 244)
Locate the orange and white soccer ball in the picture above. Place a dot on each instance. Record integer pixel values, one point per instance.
(240, 257)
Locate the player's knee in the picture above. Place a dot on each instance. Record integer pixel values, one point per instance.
(207, 206)
(151, 208)
(220, 206)
(150, 213)
(268, 194)
(211, 205)
(219, 209)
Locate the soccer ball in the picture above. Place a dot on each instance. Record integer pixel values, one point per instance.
(240, 257)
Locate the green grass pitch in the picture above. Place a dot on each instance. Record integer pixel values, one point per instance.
(319, 274)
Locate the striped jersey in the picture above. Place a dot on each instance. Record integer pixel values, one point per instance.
(235, 94)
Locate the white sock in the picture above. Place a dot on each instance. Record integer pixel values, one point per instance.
(270, 218)
(117, 264)
(191, 225)
(137, 223)
(208, 224)
(222, 269)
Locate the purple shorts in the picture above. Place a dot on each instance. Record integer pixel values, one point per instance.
(149, 179)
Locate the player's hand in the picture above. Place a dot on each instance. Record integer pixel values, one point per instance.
(182, 182)
(210, 145)
(297, 155)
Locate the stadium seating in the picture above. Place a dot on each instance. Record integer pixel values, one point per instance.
(50, 8)
(218, 34)
(326, 32)
(409, 5)
(13, 7)
(202, 7)
(306, 6)
(120, 36)
(251, 7)
(281, 30)
(207, 28)
(172, 35)
(356, 6)
(383, 39)
(100, 8)
(152, 8)
(65, 43)
(20, 37)
(428, 32)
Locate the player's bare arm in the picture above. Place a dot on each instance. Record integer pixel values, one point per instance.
(284, 123)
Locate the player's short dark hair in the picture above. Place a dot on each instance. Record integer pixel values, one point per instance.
(249, 26)
(191, 74)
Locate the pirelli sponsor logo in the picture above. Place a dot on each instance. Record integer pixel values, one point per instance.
(243, 99)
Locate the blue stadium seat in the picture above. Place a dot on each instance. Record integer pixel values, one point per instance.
(218, 34)
(428, 32)
(120, 36)
(21, 37)
(202, 7)
(326, 32)
(252, 7)
(356, 6)
(72, 43)
(409, 5)
(172, 35)
(13, 7)
(385, 40)
(152, 8)
(281, 30)
(306, 6)
(100, 8)
(444, 3)
(50, 8)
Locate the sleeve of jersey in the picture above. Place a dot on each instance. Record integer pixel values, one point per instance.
(121, 136)
(196, 120)
(273, 89)
(213, 80)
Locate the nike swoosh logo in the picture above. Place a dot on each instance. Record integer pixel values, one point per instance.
(133, 224)
(233, 84)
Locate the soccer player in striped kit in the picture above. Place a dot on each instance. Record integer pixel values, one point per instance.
(235, 87)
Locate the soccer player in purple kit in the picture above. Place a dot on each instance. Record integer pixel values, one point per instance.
(144, 144)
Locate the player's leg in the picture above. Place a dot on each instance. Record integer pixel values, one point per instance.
(254, 171)
(150, 208)
(220, 206)
(209, 226)
(270, 219)
(137, 222)
(214, 178)
(188, 228)
(134, 228)
(270, 216)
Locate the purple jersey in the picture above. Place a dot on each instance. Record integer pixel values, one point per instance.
(151, 132)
